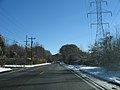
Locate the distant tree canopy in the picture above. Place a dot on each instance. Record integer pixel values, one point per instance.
(40, 52)
(2, 45)
(56, 57)
(70, 53)
(48, 55)
(2, 50)
(15, 50)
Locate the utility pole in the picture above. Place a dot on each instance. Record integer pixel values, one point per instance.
(31, 46)
(26, 42)
(100, 32)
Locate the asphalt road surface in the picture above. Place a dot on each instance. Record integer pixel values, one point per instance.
(49, 77)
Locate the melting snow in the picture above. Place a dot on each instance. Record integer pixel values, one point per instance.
(20, 66)
(5, 69)
(8, 67)
(98, 72)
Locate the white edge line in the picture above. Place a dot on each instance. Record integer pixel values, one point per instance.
(42, 72)
(84, 80)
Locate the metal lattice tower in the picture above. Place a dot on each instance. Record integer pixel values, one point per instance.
(100, 32)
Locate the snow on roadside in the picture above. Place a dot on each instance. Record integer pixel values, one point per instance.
(5, 69)
(97, 72)
(8, 67)
(20, 66)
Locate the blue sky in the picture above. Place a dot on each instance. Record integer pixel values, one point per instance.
(53, 22)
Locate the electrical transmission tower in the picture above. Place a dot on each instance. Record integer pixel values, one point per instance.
(100, 32)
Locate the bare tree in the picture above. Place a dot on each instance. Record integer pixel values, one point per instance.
(2, 50)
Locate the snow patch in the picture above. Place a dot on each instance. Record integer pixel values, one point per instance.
(5, 69)
(89, 67)
(97, 72)
(21, 66)
(8, 67)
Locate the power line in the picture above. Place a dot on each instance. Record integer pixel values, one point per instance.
(86, 3)
(12, 20)
(6, 29)
(13, 40)
(11, 35)
(117, 12)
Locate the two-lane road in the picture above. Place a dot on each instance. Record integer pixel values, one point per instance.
(49, 77)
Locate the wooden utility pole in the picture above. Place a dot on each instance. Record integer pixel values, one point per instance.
(31, 46)
(26, 41)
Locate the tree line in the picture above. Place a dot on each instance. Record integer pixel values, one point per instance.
(16, 54)
(107, 53)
